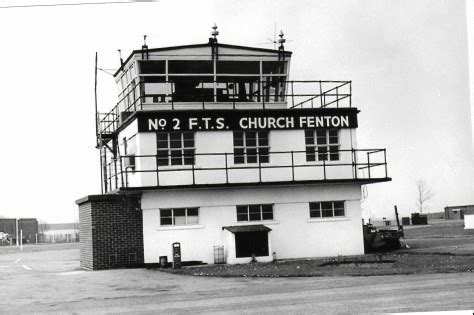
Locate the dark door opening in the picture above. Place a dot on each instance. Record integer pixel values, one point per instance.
(248, 243)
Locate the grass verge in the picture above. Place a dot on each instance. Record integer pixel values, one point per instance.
(366, 265)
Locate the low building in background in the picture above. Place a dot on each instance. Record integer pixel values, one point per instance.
(27, 229)
(457, 212)
(59, 232)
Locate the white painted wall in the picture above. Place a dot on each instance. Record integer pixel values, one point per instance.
(293, 235)
(222, 142)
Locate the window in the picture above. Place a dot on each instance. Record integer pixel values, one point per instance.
(326, 209)
(322, 145)
(255, 212)
(251, 147)
(152, 66)
(190, 66)
(238, 67)
(179, 216)
(175, 148)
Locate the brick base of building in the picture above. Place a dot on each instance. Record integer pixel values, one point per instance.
(111, 231)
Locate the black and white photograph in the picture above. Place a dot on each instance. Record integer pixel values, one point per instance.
(237, 156)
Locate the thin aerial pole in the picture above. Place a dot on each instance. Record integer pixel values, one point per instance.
(97, 140)
(95, 101)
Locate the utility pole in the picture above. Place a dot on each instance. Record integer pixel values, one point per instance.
(16, 231)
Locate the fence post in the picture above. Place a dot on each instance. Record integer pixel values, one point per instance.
(354, 163)
(324, 169)
(321, 92)
(157, 172)
(292, 166)
(226, 170)
(202, 94)
(368, 163)
(292, 95)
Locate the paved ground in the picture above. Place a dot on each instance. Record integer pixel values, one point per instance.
(48, 281)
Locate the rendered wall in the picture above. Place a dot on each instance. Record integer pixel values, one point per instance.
(222, 141)
(293, 235)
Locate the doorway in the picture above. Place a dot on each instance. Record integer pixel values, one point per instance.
(251, 243)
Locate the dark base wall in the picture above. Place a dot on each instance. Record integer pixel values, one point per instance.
(111, 231)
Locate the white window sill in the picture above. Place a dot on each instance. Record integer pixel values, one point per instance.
(180, 227)
(329, 219)
(264, 222)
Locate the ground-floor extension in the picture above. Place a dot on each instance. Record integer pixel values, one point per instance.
(226, 224)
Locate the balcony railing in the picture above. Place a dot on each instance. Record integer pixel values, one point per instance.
(237, 95)
(364, 165)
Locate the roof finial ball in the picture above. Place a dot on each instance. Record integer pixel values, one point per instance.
(214, 32)
(281, 40)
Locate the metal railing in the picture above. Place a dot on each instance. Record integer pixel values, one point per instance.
(296, 94)
(221, 168)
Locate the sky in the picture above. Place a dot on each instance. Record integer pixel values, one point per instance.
(408, 61)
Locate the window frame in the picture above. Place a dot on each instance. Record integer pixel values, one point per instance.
(261, 212)
(317, 207)
(313, 149)
(257, 147)
(169, 149)
(173, 216)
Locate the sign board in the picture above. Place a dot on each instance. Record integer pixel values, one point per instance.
(215, 120)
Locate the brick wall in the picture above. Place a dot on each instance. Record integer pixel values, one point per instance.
(111, 231)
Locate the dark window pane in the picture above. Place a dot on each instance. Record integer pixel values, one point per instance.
(267, 212)
(251, 155)
(264, 155)
(239, 157)
(251, 139)
(274, 67)
(175, 144)
(263, 138)
(339, 212)
(188, 143)
(152, 66)
(188, 136)
(189, 157)
(175, 136)
(334, 153)
(165, 213)
(238, 139)
(254, 213)
(322, 154)
(162, 136)
(190, 66)
(321, 137)
(267, 215)
(162, 144)
(333, 136)
(179, 212)
(192, 211)
(242, 217)
(176, 157)
(239, 67)
(163, 157)
(242, 209)
(314, 205)
(309, 137)
(166, 221)
(314, 213)
(326, 209)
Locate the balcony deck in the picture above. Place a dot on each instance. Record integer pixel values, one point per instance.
(294, 95)
(362, 166)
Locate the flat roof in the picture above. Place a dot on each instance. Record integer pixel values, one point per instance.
(287, 53)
